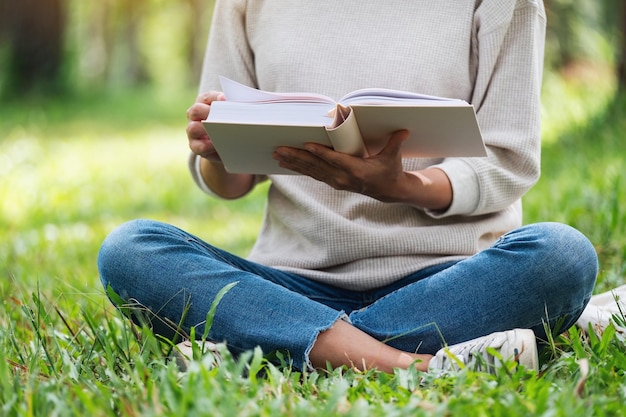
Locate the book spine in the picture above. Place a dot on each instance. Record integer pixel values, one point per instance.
(344, 133)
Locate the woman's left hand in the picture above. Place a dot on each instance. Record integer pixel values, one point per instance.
(374, 176)
(379, 176)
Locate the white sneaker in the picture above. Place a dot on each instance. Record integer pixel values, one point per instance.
(183, 354)
(603, 309)
(517, 345)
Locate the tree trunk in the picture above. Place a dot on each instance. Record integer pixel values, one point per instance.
(35, 34)
(136, 71)
(621, 67)
(201, 13)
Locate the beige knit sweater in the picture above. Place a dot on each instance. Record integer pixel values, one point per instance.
(488, 52)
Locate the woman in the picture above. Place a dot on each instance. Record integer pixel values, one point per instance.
(379, 261)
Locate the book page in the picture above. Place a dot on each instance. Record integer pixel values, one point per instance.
(235, 91)
(386, 96)
(273, 113)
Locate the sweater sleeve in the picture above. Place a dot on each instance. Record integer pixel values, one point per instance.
(227, 53)
(508, 43)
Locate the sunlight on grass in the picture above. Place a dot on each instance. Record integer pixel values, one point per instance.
(569, 102)
(62, 193)
(72, 171)
(583, 162)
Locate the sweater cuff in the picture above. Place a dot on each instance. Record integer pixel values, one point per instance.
(193, 162)
(194, 167)
(465, 189)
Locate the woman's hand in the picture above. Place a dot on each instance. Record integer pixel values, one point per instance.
(379, 176)
(199, 141)
(212, 170)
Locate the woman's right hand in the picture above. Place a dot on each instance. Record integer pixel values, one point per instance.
(199, 141)
(212, 170)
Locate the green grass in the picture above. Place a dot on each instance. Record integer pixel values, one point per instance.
(71, 170)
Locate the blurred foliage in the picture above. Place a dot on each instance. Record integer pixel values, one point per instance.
(72, 170)
(108, 44)
(60, 46)
(582, 30)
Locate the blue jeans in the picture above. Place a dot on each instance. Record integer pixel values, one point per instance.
(538, 274)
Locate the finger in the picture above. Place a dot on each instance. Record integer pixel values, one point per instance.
(199, 147)
(210, 154)
(329, 155)
(395, 143)
(299, 160)
(198, 112)
(210, 96)
(204, 148)
(200, 109)
(196, 131)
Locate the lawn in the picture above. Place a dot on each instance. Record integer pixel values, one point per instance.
(71, 170)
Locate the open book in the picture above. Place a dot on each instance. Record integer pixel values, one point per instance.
(251, 123)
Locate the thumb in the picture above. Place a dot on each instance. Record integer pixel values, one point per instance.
(395, 142)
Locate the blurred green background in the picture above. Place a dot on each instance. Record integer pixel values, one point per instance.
(93, 97)
(65, 46)
(92, 117)
(69, 46)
